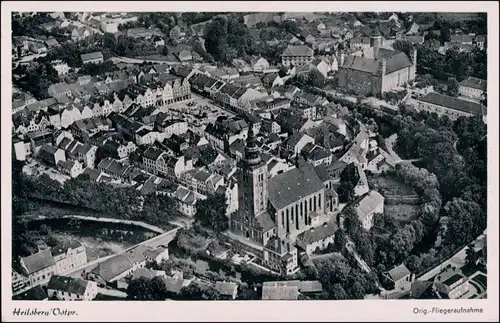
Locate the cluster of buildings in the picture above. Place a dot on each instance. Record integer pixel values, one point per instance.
(38, 268)
(274, 151)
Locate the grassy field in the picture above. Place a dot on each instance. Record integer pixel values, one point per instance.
(392, 186)
(402, 212)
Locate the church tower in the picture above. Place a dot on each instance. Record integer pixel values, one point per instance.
(376, 38)
(252, 192)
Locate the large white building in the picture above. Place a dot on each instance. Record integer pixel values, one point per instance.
(297, 55)
(451, 107)
(473, 87)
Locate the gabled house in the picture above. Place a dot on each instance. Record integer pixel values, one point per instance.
(71, 289)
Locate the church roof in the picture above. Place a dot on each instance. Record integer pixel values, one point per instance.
(361, 64)
(291, 186)
(397, 62)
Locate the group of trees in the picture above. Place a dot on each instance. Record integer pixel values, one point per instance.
(314, 78)
(211, 212)
(119, 202)
(93, 69)
(144, 289)
(453, 64)
(341, 281)
(456, 154)
(349, 178)
(35, 78)
(227, 38)
(30, 25)
(451, 184)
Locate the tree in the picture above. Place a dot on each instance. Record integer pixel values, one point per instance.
(413, 263)
(349, 178)
(216, 41)
(466, 221)
(52, 241)
(345, 192)
(158, 288)
(357, 291)
(405, 46)
(211, 212)
(316, 79)
(338, 292)
(471, 256)
(352, 224)
(452, 89)
(140, 290)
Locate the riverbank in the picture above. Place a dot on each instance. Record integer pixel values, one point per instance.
(38, 209)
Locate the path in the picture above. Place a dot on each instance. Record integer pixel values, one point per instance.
(389, 142)
(131, 60)
(111, 220)
(350, 246)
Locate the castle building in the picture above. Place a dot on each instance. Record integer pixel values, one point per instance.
(273, 211)
(376, 69)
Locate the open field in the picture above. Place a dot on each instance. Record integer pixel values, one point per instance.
(392, 186)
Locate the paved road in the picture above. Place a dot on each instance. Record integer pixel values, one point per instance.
(457, 260)
(389, 142)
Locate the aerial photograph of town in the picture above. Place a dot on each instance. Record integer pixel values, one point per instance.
(249, 156)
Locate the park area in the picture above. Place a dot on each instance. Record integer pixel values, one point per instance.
(401, 201)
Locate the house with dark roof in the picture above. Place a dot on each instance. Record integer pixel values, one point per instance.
(473, 87)
(422, 289)
(453, 108)
(317, 238)
(36, 293)
(295, 143)
(51, 155)
(111, 269)
(66, 288)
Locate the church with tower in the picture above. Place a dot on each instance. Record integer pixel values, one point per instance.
(375, 70)
(274, 211)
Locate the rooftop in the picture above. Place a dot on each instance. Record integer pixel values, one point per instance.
(454, 103)
(293, 185)
(38, 261)
(475, 83)
(68, 284)
(285, 290)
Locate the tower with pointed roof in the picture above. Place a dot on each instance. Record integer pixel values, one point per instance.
(253, 194)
